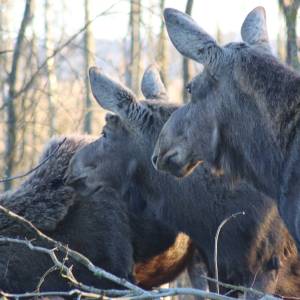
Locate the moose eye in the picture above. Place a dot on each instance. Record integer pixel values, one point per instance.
(189, 88)
(103, 133)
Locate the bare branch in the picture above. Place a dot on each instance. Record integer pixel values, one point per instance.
(235, 287)
(42, 279)
(59, 49)
(36, 167)
(6, 51)
(78, 257)
(94, 293)
(66, 272)
(74, 292)
(216, 245)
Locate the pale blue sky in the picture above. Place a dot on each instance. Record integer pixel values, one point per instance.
(227, 14)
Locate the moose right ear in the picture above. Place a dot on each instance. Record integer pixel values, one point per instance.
(152, 86)
(110, 94)
(254, 29)
(191, 40)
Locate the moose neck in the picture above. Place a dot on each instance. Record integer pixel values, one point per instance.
(276, 90)
(246, 149)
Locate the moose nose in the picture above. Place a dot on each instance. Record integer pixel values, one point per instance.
(154, 159)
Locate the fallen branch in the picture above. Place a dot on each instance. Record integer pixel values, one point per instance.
(78, 257)
(67, 272)
(73, 292)
(93, 293)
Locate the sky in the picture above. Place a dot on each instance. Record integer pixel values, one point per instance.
(228, 15)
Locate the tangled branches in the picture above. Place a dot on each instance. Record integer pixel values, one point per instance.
(81, 290)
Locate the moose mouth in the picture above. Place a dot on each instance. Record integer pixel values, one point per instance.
(179, 170)
(187, 169)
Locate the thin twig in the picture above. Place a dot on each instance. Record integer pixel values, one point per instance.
(49, 294)
(5, 51)
(94, 293)
(42, 279)
(216, 246)
(235, 287)
(36, 167)
(59, 49)
(66, 272)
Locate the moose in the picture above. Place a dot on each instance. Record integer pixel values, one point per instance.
(254, 250)
(243, 118)
(121, 240)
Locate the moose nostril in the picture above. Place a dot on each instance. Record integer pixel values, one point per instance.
(170, 158)
(154, 159)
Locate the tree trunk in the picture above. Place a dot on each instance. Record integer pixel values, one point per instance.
(50, 67)
(10, 143)
(162, 57)
(89, 50)
(135, 49)
(186, 62)
(290, 9)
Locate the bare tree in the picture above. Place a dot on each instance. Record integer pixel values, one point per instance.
(89, 50)
(4, 50)
(10, 143)
(50, 67)
(186, 62)
(162, 51)
(290, 9)
(135, 48)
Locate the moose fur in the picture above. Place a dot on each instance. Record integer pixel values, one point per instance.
(243, 118)
(99, 226)
(254, 250)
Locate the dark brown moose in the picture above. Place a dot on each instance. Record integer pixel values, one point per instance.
(243, 118)
(253, 250)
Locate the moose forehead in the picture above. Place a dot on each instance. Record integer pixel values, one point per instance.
(160, 112)
(244, 65)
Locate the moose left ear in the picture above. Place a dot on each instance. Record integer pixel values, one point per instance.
(152, 86)
(254, 29)
(110, 94)
(118, 99)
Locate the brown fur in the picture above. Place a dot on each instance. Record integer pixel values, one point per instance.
(55, 208)
(288, 280)
(166, 266)
(287, 277)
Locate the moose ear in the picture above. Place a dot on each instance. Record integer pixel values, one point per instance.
(189, 39)
(152, 86)
(254, 29)
(118, 99)
(110, 94)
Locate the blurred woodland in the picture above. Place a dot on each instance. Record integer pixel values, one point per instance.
(44, 84)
